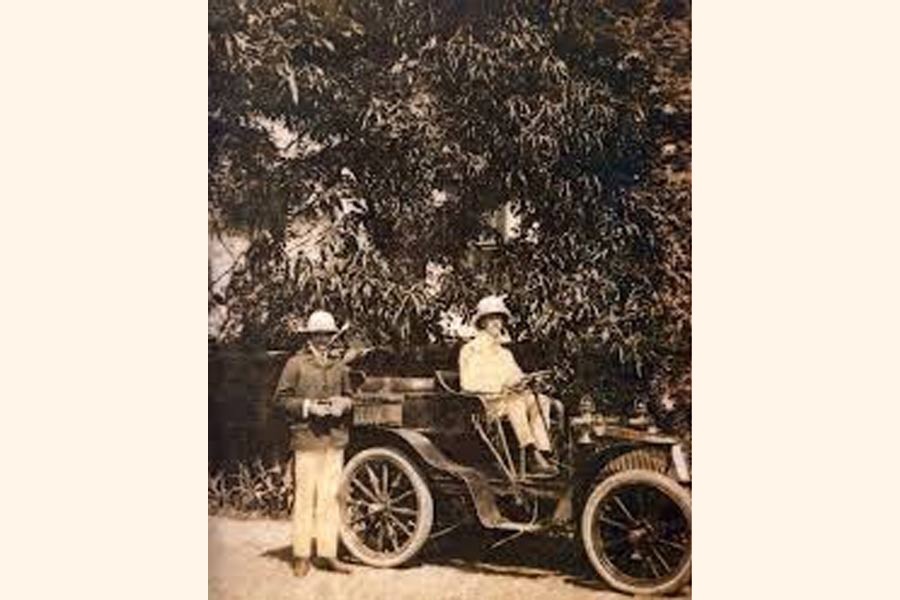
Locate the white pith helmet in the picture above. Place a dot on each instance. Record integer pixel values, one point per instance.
(321, 321)
(490, 305)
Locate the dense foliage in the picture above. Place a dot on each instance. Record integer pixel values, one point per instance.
(408, 121)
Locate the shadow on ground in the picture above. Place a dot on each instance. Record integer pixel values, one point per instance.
(284, 554)
(526, 555)
(479, 551)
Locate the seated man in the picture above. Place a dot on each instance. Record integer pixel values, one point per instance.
(488, 369)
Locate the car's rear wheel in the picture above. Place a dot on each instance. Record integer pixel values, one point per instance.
(636, 531)
(387, 508)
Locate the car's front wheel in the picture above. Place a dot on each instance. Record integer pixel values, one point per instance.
(636, 530)
(387, 507)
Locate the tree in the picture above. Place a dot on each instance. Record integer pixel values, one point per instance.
(407, 121)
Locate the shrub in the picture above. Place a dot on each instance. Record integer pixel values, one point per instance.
(251, 489)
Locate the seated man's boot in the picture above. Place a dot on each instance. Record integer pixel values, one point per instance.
(538, 465)
(301, 566)
(331, 564)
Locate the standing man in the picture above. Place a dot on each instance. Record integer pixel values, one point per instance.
(488, 369)
(313, 391)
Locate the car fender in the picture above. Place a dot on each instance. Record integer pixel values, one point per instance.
(432, 459)
(590, 467)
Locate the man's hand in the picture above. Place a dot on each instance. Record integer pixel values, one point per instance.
(318, 408)
(334, 406)
(516, 386)
(524, 382)
(340, 405)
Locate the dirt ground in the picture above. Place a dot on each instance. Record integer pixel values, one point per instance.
(250, 560)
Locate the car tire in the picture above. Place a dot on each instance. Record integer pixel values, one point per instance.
(368, 518)
(628, 550)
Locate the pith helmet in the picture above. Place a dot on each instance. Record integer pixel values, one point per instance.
(321, 321)
(491, 305)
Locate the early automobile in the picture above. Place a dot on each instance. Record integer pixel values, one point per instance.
(419, 445)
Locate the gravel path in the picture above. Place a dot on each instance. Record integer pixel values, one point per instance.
(249, 560)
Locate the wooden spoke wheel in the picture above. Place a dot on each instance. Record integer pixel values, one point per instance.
(387, 509)
(636, 530)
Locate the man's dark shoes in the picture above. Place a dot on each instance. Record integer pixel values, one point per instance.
(330, 564)
(301, 567)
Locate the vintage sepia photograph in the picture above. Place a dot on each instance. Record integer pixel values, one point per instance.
(469, 265)
(449, 299)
